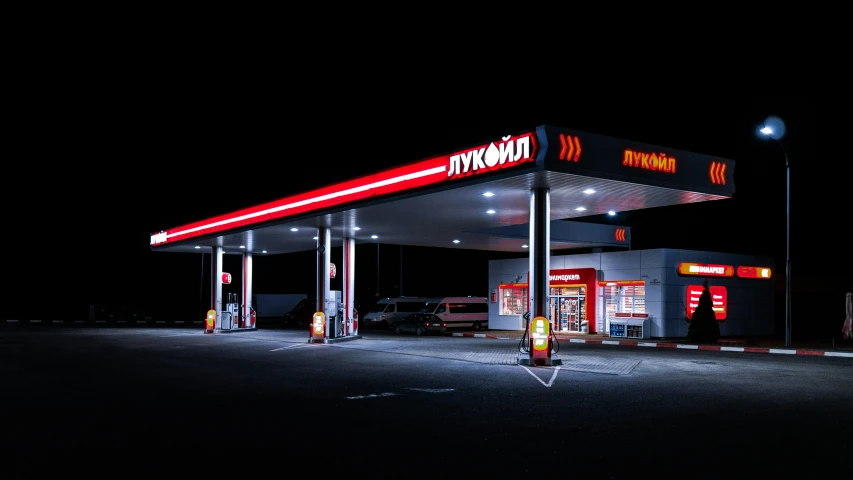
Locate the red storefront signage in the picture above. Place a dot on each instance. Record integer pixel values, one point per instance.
(333, 270)
(754, 272)
(572, 277)
(579, 277)
(706, 270)
(719, 300)
(226, 278)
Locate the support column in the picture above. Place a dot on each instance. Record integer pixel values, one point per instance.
(349, 285)
(216, 284)
(324, 255)
(540, 252)
(247, 288)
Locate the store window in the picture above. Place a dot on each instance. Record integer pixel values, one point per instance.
(624, 299)
(513, 299)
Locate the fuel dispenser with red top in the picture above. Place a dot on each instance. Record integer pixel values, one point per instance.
(538, 345)
(232, 317)
(317, 333)
(333, 323)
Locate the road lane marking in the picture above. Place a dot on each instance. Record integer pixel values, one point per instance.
(550, 382)
(298, 345)
(432, 390)
(373, 395)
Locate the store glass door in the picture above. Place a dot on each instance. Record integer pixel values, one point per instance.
(567, 308)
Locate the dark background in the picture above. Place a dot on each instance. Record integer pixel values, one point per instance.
(83, 200)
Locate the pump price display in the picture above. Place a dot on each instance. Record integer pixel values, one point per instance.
(319, 323)
(539, 332)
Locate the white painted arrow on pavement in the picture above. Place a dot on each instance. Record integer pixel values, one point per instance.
(550, 382)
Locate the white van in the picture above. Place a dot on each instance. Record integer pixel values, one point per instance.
(459, 312)
(388, 311)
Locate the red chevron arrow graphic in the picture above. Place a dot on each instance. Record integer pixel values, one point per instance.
(571, 146)
(722, 173)
(577, 149)
(713, 173)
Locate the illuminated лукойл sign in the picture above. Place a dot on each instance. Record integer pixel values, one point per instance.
(649, 161)
(493, 156)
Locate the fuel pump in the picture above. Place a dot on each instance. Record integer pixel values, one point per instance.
(334, 311)
(232, 308)
(539, 342)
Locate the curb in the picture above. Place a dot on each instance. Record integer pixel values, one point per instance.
(102, 322)
(477, 335)
(682, 346)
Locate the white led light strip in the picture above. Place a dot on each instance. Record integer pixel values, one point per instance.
(329, 196)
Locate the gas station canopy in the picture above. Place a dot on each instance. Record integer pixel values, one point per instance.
(477, 198)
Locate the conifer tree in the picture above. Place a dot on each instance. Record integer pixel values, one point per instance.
(704, 327)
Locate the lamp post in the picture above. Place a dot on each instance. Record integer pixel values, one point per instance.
(774, 128)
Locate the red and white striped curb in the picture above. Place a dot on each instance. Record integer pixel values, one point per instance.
(716, 348)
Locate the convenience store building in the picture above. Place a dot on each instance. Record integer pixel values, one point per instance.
(653, 290)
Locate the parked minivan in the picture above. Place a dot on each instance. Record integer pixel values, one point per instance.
(459, 312)
(388, 311)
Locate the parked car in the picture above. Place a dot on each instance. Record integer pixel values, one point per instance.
(388, 311)
(301, 314)
(420, 323)
(460, 312)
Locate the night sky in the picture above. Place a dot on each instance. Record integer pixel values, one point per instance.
(88, 197)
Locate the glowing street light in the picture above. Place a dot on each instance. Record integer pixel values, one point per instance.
(774, 129)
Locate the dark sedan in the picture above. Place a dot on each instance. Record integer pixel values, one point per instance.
(419, 324)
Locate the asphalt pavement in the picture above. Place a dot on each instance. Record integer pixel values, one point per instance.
(118, 402)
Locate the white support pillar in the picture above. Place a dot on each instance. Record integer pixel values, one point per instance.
(324, 256)
(247, 288)
(216, 284)
(349, 285)
(540, 252)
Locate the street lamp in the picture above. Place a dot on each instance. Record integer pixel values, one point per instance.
(774, 129)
